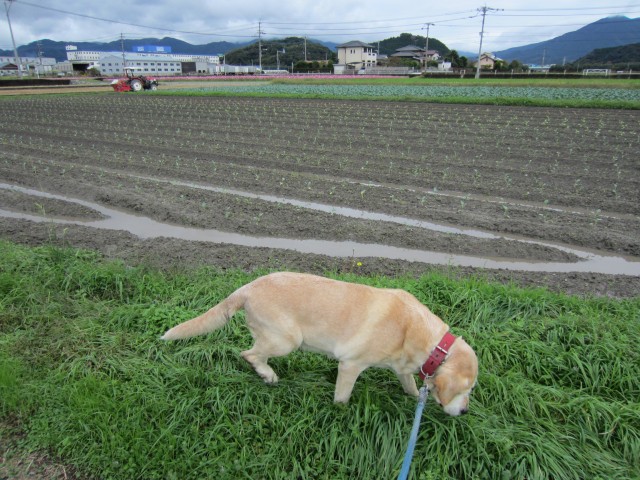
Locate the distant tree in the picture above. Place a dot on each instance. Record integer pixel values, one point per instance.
(569, 67)
(390, 45)
(403, 62)
(454, 58)
(293, 52)
(315, 66)
(500, 66)
(515, 66)
(624, 57)
(463, 62)
(301, 66)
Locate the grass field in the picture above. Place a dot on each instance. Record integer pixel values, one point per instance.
(83, 372)
(487, 80)
(553, 92)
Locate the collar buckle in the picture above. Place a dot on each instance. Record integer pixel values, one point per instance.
(446, 352)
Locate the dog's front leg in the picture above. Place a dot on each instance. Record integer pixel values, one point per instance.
(347, 376)
(408, 384)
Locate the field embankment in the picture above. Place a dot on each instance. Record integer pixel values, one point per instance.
(82, 369)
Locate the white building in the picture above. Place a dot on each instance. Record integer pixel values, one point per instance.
(355, 55)
(114, 64)
(31, 65)
(158, 64)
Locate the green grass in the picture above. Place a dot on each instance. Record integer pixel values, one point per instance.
(577, 93)
(485, 80)
(83, 373)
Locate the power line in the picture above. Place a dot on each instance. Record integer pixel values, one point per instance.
(377, 26)
(119, 22)
(565, 15)
(373, 21)
(571, 9)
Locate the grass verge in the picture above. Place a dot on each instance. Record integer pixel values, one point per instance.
(486, 80)
(83, 373)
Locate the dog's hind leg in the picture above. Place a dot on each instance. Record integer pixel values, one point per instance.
(265, 348)
(258, 361)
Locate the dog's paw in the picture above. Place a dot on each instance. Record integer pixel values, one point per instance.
(412, 393)
(270, 378)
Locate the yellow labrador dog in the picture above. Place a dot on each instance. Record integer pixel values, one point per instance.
(361, 326)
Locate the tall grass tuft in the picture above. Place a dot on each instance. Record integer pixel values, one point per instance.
(84, 374)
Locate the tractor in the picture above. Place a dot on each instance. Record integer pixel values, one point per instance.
(134, 82)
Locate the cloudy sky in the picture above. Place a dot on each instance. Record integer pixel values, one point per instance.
(508, 23)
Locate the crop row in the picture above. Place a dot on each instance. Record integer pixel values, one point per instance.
(428, 91)
(353, 121)
(389, 164)
(548, 153)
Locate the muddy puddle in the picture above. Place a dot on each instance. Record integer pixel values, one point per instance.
(147, 228)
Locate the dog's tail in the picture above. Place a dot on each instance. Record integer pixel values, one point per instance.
(209, 321)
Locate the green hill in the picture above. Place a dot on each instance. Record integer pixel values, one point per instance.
(625, 57)
(390, 45)
(606, 57)
(291, 48)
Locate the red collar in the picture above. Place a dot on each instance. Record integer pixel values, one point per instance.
(437, 356)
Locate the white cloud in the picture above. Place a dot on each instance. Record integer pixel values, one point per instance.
(456, 24)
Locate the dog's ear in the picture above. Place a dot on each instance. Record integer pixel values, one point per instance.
(444, 387)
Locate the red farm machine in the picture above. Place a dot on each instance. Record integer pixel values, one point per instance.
(134, 82)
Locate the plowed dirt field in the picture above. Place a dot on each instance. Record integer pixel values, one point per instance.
(536, 196)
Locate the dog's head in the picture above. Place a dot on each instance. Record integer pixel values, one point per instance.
(453, 380)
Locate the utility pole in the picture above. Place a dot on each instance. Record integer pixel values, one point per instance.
(7, 7)
(426, 46)
(40, 60)
(124, 61)
(278, 52)
(260, 33)
(483, 11)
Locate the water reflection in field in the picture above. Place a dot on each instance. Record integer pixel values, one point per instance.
(144, 227)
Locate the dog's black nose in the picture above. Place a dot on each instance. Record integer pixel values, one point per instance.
(462, 412)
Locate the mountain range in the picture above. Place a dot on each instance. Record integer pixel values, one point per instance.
(57, 50)
(607, 32)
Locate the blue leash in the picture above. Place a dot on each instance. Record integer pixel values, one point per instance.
(406, 464)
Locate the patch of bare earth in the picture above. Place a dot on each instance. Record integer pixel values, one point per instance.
(18, 462)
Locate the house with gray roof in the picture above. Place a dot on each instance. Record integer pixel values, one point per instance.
(413, 52)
